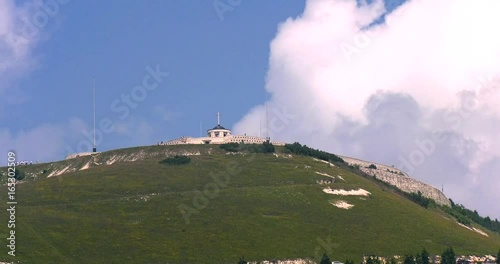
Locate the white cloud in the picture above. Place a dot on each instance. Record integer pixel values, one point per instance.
(17, 40)
(44, 143)
(374, 92)
(166, 114)
(20, 32)
(135, 131)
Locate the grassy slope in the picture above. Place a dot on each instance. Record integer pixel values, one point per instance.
(272, 209)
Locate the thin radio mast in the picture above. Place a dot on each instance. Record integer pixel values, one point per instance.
(267, 119)
(93, 99)
(260, 125)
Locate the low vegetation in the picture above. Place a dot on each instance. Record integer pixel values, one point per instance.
(448, 256)
(19, 175)
(266, 147)
(297, 148)
(325, 259)
(176, 160)
(421, 200)
(258, 206)
(466, 217)
(459, 212)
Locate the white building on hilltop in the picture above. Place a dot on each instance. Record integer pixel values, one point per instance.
(221, 135)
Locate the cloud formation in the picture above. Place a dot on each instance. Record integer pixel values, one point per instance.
(42, 143)
(21, 29)
(420, 91)
(16, 40)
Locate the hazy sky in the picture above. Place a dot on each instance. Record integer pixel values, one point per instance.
(418, 90)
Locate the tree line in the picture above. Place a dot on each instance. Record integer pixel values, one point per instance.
(466, 216)
(447, 257)
(297, 148)
(266, 147)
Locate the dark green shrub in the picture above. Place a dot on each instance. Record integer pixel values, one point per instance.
(325, 259)
(425, 256)
(19, 175)
(267, 147)
(231, 147)
(242, 261)
(298, 149)
(176, 160)
(448, 256)
(348, 261)
(409, 259)
(372, 166)
(420, 199)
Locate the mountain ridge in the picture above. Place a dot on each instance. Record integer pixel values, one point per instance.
(388, 174)
(126, 206)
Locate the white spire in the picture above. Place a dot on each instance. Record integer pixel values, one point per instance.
(218, 118)
(93, 99)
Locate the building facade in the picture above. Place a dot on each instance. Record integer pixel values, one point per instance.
(221, 135)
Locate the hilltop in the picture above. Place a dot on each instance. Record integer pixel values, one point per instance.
(125, 206)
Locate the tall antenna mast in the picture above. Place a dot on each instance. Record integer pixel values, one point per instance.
(93, 99)
(260, 125)
(267, 120)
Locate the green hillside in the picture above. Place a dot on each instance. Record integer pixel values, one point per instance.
(260, 206)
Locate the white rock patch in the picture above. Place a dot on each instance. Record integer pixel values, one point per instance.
(324, 174)
(340, 177)
(358, 192)
(342, 205)
(86, 166)
(112, 160)
(329, 163)
(57, 173)
(480, 232)
(473, 229)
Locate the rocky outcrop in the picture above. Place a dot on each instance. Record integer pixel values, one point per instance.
(84, 161)
(400, 179)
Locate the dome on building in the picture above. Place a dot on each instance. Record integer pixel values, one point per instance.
(220, 135)
(218, 131)
(218, 127)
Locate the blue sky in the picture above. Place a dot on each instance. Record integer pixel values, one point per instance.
(217, 61)
(214, 65)
(374, 92)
